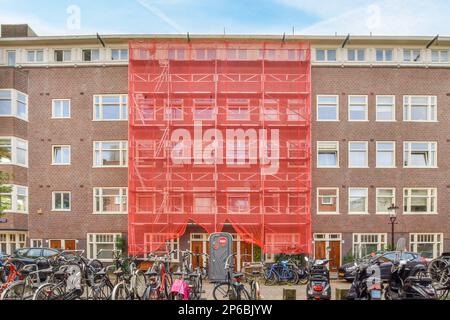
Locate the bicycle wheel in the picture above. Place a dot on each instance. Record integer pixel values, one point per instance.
(256, 291)
(102, 291)
(152, 292)
(17, 291)
(243, 294)
(140, 285)
(223, 291)
(121, 292)
(291, 276)
(49, 291)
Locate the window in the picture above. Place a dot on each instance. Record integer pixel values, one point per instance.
(11, 58)
(365, 244)
(328, 154)
(37, 243)
(153, 241)
(296, 110)
(177, 54)
(358, 155)
(412, 55)
(272, 203)
(429, 245)
(296, 203)
(271, 110)
(323, 55)
(385, 154)
(327, 200)
(174, 110)
(91, 55)
(14, 199)
(204, 110)
(385, 199)
(384, 55)
(35, 56)
(110, 201)
(111, 107)
(237, 54)
(61, 155)
(176, 204)
(439, 56)
(102, 246)
(61, 109)
(327, 108)
(238, 204)
(205, 54)
(61, 201)
(420, 201)
(385, 108)
(420, 155)
(358, 108)
(119, 54)
(238, 110)
(13, 103)
(204, 204)
(358, 201)
(356, 54)
(420, 108)
(111, 154)
(15, 151)
(10, 242)
(63, 55)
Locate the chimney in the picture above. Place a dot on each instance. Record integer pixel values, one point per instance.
(16, 31)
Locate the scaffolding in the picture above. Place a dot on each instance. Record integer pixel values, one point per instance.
(220, 133)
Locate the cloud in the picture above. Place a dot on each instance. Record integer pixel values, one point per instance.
(161, 15)
(384, 17)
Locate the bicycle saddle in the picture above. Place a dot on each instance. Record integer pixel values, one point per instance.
(118, 272)
(238, 275)
(151, 273)
(101, 273)
(194, 275)
(179, 274)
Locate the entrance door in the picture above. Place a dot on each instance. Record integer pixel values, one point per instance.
(197, 247)
(246, 253)
(334, 254)
(320, 252)
(69, 245)
(56, 244)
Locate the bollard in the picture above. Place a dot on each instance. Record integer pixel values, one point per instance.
(289, 294)
(341, 294)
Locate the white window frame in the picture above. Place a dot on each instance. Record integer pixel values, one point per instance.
(384, 51)
(34, 243)
(319, 197)
(357, 54)
(54, 163)
(412, 53)
(64, 51)
(123, 192)
(238, 196)
(430, 197)
(359, 241)
(123, 107)
(15, 105)
(94, 244)
(15, 197)
(12, 241)
(442, 55)
(122, 149)
(121, 54)
(240, 105)
(35, 52)
(366, 150)
(327, 105)
(14, 53)
(432, 101)
(394, 191)
(365, 106)
(14, 148)
(437, 242)
(337, 154)
(393, 105)
(54, 101)
(326, 54)
(91, 50)
(407, 158)
(394, 152)
(62, 193)
(366, 212)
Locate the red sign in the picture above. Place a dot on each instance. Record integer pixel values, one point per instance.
(223, 241)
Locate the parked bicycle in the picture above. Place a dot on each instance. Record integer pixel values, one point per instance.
(159, 278)
(253, 273)
(189, 283)
(282, 272)
(232, 288)
(131, 283)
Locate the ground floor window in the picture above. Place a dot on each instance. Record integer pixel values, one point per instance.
(158, 240)
(102, 246)
(430, 245)
(37, 243)
(365, 244)
(10, 242)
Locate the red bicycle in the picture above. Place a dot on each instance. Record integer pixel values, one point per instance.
(12, 275)
(159, 278)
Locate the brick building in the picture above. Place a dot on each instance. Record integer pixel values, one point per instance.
(380, 135)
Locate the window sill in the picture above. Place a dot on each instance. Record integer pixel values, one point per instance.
(61, 211)
(328, 213)
(61, 165)
(363, 121)
(119, 120)
(328, 167)
(420, 213)
(109, 167)
(358, 214)
(386, 167)
(420, 167)
(327, 120)
(110, 213)
(14, 164)
(359, 167)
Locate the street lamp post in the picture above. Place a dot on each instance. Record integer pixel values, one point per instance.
(393, 221)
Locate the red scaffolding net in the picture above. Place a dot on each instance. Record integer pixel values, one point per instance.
(220, 134)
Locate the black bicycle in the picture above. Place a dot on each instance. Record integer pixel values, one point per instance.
(233, 288)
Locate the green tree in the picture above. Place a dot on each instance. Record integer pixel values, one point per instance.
(4, 179)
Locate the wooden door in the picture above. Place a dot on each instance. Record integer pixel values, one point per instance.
(197, 247)
(70, 245)
(334, 255)
(246, 253)
(320, 250)
(56, 244)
